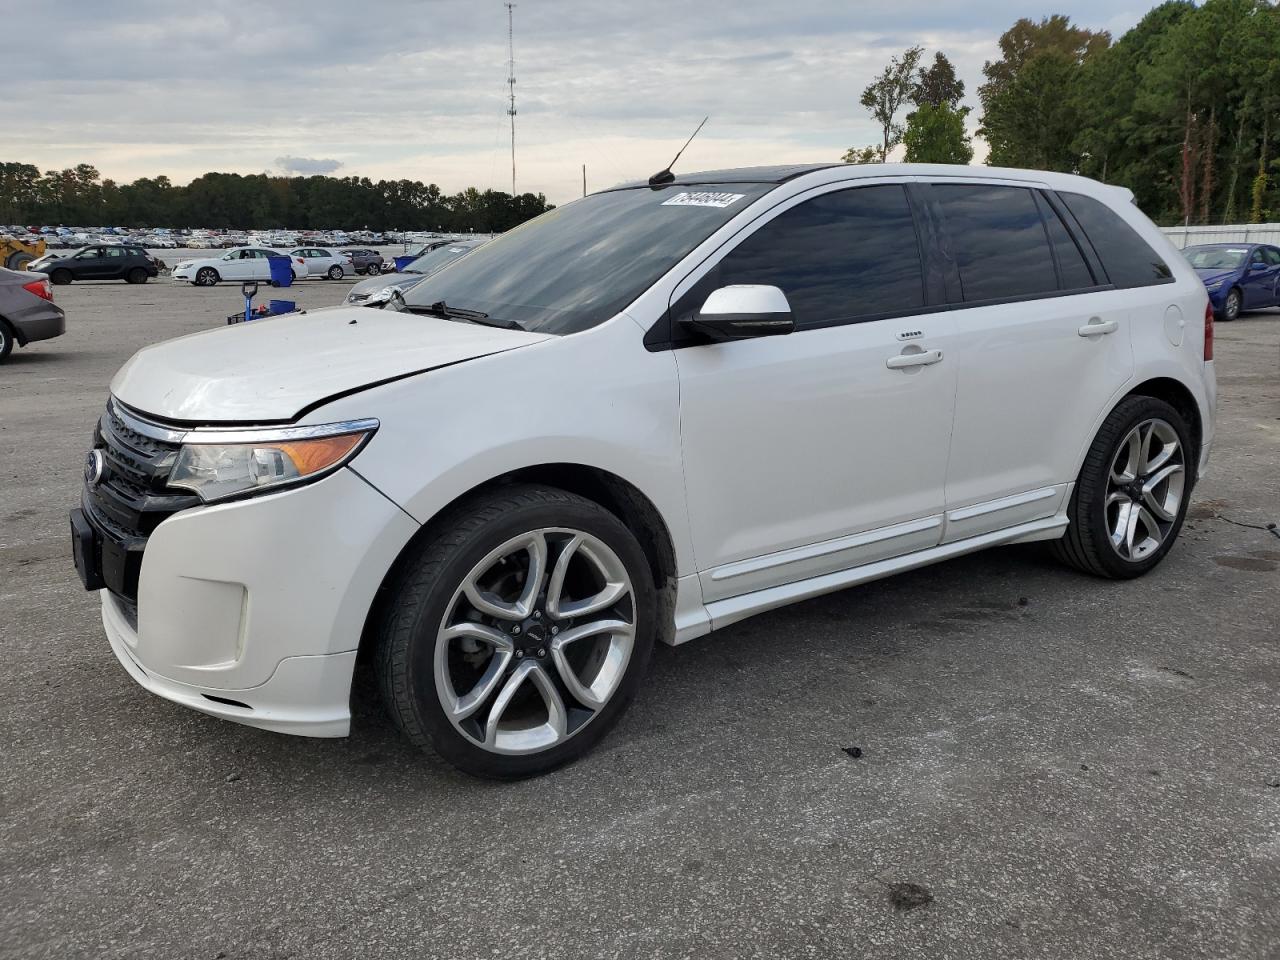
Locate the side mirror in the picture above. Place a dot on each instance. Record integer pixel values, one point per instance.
(1257, 266)
(742, 311)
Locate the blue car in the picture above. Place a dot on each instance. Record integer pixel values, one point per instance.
(1238, 276)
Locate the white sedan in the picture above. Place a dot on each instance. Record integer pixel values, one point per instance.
(238, 263)
(323, 263)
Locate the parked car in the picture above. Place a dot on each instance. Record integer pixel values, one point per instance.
(100, 261)
(238, 263)
(323, 263)
(1238, 276)
(423, 267)
(27, 311)
(417, 250)
(647, 414)
(364, 260)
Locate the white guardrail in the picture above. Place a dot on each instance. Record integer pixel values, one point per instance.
(1182, 237)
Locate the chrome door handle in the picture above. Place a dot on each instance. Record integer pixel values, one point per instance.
(1096, 327)
(921, 359)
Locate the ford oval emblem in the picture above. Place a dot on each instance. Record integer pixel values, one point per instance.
(95, 465)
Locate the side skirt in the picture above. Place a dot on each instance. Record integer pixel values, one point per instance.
(721, 613)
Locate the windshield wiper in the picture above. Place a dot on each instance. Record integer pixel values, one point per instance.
(442, 309)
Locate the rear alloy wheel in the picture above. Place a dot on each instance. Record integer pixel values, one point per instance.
(61, 277)
(518, 634)
(206, 277)
(1231, 307)
(1132, 493)
(136, 275)
(335, 272)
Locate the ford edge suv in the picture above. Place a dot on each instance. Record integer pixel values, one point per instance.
(640, 417)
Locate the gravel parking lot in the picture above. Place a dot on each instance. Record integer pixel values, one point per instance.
(991, 758)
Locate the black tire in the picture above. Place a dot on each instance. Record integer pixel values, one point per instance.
(136, 275)
(7, 340)
(419, 596)
(1087, 542)
(18, 260)
(1231, 306)
(206, 277)
(62, 276)
(335, 272)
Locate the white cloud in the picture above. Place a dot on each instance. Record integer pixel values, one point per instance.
(418, 91)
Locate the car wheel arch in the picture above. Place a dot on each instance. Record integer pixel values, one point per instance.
(1167, 388)
(620, 497)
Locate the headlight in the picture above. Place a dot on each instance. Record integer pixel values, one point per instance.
(219, 465)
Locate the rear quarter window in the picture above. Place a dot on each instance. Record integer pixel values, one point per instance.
(1128, 259)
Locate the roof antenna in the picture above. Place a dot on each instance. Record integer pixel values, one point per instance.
(666, 176)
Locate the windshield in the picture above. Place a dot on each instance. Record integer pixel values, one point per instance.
(578, 265)
(439, 257)
(1216, 258)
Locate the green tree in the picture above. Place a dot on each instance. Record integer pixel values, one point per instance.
(862, 155)
(936, 134)
(886, 95)
(938, 85)
(1029, 115)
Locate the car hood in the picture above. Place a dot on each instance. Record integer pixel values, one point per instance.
(271, 370)
(1213, 274)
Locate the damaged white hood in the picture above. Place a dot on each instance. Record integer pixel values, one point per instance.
(269, 370)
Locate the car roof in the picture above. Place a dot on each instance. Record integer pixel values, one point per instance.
(1221, 246)
(825, 173)
(772, 174)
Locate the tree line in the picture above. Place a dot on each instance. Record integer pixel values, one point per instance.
(79, 196)
(1184, 109)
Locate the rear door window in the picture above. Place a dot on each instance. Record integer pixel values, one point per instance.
(1272, 255)
(998, 240)
(1073, 271)
(1127, 258)
(842, 256)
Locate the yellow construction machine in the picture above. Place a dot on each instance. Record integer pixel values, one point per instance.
(16, 254)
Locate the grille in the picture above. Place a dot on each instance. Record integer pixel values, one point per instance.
(130, 499)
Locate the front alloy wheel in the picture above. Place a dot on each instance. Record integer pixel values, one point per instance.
(515, 635)
(536, 641)
(1231, 308)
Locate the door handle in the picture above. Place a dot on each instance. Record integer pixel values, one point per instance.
(1096, 327)
(921, 359)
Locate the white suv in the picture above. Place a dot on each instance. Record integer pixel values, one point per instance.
(642, 416)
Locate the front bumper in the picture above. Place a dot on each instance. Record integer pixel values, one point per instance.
(261, 602)
(305, 696)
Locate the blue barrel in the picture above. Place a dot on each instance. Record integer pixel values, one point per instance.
(402, 262)
(281, 271)
(281, 306)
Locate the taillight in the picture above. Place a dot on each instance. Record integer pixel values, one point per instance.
(300, 260)
(40, 288)
(1208, 331)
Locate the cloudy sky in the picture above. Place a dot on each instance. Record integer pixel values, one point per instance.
(416, 89)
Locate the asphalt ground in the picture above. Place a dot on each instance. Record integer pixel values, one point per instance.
(994, 757)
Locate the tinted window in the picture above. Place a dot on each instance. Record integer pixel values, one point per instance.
(1272, 255)
(840, 256)
(578, 265)
(1126, 257)
(1072, 269)
(998, 240)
